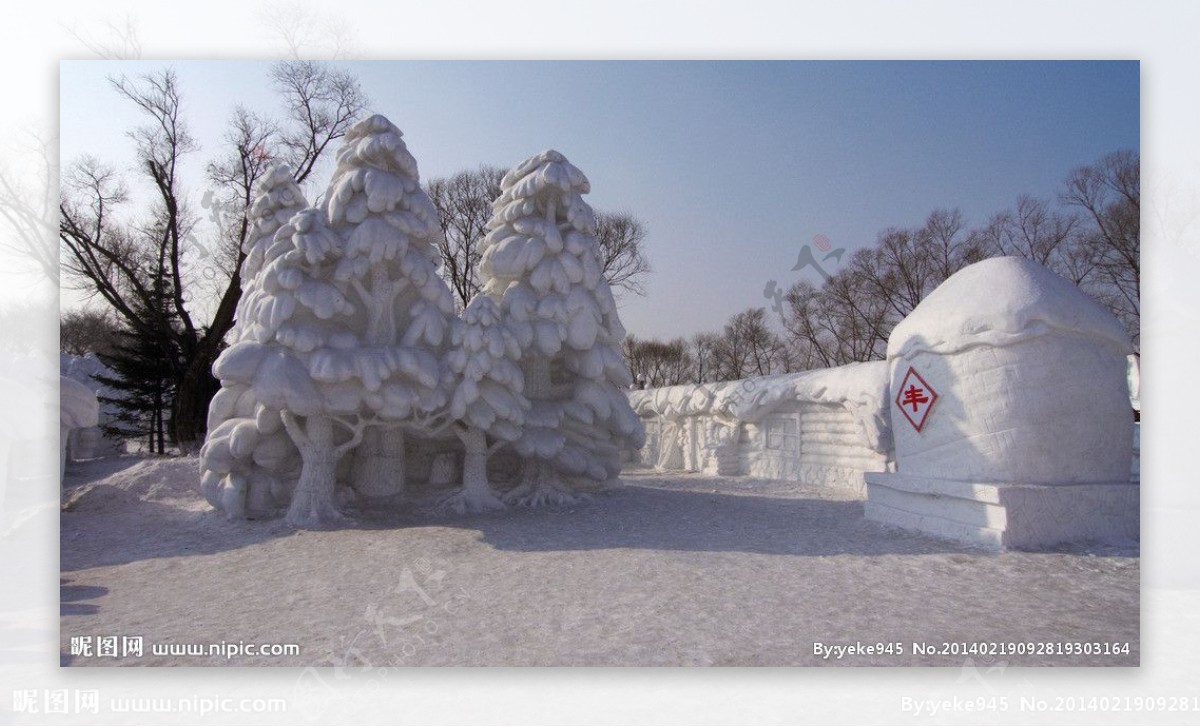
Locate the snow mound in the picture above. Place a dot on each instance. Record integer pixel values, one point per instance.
(131, 480)
(1000, 302)
(860, 387)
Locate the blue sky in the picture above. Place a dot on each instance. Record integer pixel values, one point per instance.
(732, 166)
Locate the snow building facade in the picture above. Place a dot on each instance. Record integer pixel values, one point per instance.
(825, 427)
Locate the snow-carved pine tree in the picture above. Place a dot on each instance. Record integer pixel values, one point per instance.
(245, 474)
(389, 226)
(300, 318)
(344, 329)
(487, 397)
(277, 198)
(540, 261)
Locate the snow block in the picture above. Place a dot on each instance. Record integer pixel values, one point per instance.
(1003, 516)
(1010, 375)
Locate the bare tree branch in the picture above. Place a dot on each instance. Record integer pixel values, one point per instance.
(622, 256)
(322, 103)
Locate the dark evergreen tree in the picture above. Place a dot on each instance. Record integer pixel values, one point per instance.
(144, 363)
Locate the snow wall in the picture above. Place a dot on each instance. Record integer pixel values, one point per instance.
(826, 427)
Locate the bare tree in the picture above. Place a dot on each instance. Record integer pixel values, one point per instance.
(1109, 195)
(87, 331)
(1032, 230)
(113, 41)
(623, 260)
(146, 267)
(844, 321)
(306, 32)
(464, 205)
(657, 363)
(749, 347)
(29, 211)
(850, 317)
(322, 102)
(706, 367)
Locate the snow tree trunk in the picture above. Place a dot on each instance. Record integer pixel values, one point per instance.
(475, 480)
(476, 494)
(379, 463)
(313, 499)
(540, 483)
(381, 309)
(537, 377)
(539, 476)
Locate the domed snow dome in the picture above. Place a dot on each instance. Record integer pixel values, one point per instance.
(1020, 378)
(1001, 301)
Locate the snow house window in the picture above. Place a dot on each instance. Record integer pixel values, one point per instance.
(782, 434)
(559, 375)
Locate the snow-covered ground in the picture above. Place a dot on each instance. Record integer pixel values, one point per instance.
(668, 570)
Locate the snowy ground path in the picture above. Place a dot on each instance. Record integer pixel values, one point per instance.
(680, 570)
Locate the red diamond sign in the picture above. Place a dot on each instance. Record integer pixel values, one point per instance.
(915, 398)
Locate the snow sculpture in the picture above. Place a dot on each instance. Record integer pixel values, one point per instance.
(91, 441)
(277, 198)
(540, 261)
(1010, 412)
(824, 427)
(344, 330)
(246, 475)
(346, 343)
(389, 228)
(78, 409)
(487, 397)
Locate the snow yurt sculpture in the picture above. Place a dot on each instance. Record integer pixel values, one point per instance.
(1010, 411)
(826, 427)
(541, 263)
(349, 375)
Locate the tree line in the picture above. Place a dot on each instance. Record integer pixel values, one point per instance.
(1089, 233)
(164, 288)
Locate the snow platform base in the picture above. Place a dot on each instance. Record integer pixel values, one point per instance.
(1005, 516)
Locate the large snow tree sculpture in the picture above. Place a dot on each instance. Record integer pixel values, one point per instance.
(346, 341)
(487, 397)
(243, 480)
(343, 329)
(299, 321)
(390, 230)
(540, 261)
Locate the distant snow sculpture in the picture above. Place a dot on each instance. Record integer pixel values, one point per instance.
(78, 409)
(347, 346)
